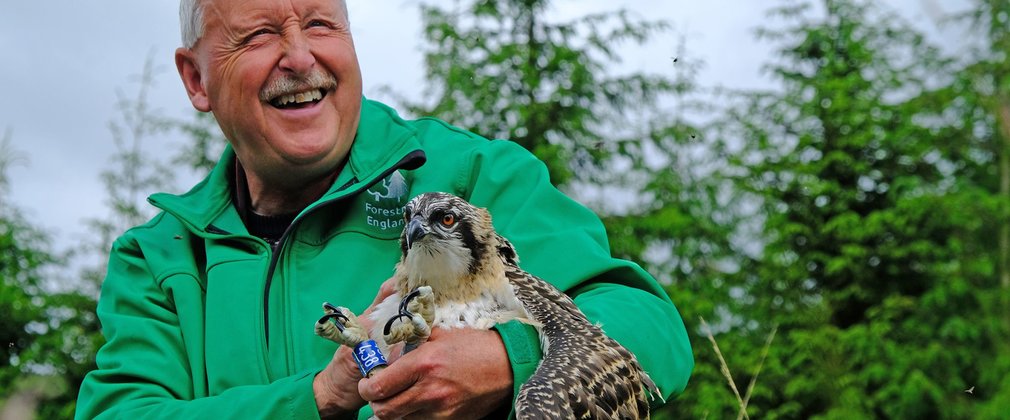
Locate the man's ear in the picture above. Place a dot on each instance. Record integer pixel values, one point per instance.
(185, 61)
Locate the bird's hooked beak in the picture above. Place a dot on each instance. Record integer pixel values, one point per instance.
(415, 231)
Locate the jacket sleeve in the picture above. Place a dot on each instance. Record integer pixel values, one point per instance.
(144, 370)
(564, 243)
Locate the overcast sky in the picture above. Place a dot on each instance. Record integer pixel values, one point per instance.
(63, 62)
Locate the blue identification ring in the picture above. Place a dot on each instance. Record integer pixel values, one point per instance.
(368, 357)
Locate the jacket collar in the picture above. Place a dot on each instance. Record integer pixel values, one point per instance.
(384, 142)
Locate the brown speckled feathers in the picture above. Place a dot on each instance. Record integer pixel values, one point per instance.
(585, 374)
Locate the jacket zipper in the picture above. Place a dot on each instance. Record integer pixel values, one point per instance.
(408, 162)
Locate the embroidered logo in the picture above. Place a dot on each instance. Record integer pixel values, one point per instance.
(385, 209)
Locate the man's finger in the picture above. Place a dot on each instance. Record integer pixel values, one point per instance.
(390, 381)
(408, 403)
(402, 406)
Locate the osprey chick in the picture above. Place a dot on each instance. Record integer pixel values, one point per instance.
(456, 271)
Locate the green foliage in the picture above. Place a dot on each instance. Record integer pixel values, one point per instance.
(841, 176)
(22, 256)
(875, 180)
(48, 337)
(502, 69)
(205, 146)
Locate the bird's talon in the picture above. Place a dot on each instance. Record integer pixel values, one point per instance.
(336, 318)
(389, 324)
(340, 325)
(418, 309)
(406, 301)
(422, 303)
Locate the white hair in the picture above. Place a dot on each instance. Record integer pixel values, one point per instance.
(191, 20)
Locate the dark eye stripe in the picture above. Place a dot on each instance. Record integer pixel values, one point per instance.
(465, 229)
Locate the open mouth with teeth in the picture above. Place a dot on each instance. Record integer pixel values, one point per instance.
(298, 100)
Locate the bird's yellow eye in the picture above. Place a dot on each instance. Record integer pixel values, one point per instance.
(448, 219)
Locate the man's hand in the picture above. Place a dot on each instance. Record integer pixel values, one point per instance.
(456, 373)
(336, 387)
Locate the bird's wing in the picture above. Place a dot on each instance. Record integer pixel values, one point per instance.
(584, 373)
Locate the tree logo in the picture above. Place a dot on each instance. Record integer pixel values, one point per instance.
(385, 210)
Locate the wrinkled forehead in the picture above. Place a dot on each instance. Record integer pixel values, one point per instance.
(242, 9)
(203, 3)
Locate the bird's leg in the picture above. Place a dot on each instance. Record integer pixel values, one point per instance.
(341, 326)
(422, 310)
(418, 308)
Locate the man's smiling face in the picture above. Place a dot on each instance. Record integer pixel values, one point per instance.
(282, 79)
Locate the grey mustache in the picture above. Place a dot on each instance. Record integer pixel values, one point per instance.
(287, 84)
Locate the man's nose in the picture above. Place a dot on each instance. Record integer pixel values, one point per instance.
(298, 57)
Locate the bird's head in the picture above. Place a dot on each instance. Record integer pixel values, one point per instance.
(445, 237)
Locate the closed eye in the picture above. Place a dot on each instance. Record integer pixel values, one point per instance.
(256, 34)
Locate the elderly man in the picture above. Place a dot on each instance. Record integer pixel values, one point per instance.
(208, 308)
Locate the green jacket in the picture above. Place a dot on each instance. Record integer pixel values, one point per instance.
(203, 320)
